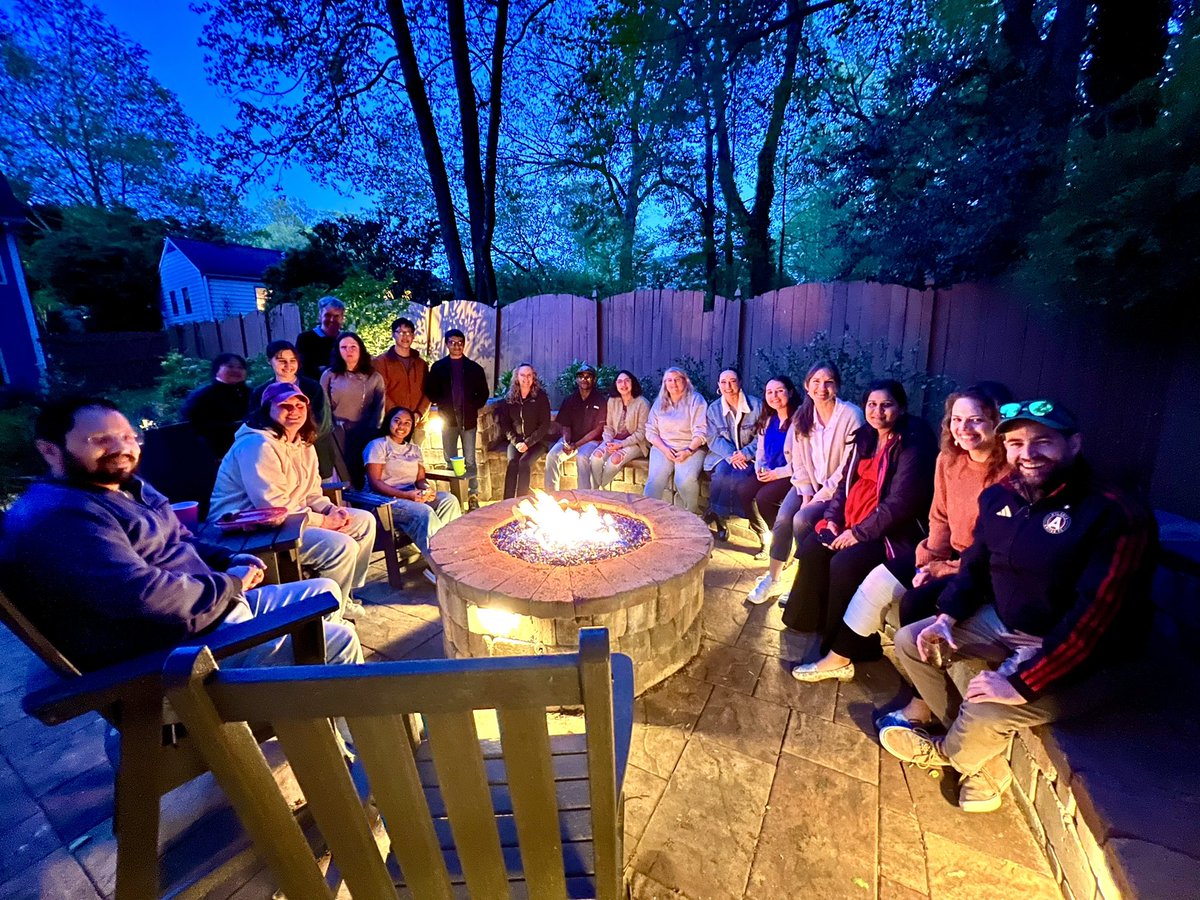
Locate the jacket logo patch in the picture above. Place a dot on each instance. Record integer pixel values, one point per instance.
(1056, 523)
(1005, 513)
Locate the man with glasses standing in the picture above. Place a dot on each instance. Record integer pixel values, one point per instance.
(459, 387)
(1052, 594)
(96, 559)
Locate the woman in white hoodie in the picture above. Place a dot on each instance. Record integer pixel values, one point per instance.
(272, 463)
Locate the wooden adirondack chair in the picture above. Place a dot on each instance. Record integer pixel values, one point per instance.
(156, 755)
(469, 819)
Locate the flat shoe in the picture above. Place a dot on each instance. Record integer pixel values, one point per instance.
(810, 673)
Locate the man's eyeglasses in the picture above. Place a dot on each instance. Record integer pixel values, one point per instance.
(105, 441)
(1033, 407)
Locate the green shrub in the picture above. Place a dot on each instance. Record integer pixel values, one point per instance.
(703, 376)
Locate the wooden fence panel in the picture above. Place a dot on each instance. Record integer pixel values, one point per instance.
(254, 329)
(229, 335)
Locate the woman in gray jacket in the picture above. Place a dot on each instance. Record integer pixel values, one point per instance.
(732, 421)
(624, 437)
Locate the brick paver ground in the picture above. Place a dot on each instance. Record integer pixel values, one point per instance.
(742, 782)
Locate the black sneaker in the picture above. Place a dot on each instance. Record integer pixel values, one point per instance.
(472, 502)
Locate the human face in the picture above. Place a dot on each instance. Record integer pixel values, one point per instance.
(401, 426)
(101, 448)
(525, 379)
(332, 320)
(403, 336)
(231, 372)
(970, 428)
(624, 386)
(883, 412)
(822, 386)
(586, 382)
(776, 395)
(348, 348)
(285, 365)
(456, 347)
(729, 386)
(675, 385)
(1038, 453)
(290, 413)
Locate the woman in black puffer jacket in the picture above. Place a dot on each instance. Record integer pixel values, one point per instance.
(525, 420)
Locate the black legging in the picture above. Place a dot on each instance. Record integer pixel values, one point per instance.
(825, 582)
(516, 476)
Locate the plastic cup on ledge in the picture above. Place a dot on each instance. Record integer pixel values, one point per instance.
(188, 513)
(458, 465)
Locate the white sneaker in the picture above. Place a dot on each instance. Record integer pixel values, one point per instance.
(765, 589)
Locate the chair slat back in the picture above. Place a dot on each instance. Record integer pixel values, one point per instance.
(298, 702)
(20, 625)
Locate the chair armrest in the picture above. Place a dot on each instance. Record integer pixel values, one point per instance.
(622, 675)
(96, 691)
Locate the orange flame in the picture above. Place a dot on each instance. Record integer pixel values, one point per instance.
(557, 527)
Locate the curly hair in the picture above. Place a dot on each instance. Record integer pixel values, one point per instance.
(991, 411)
(514, 389)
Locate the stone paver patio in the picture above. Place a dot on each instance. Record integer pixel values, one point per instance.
(742, 782)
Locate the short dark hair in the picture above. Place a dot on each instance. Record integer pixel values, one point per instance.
(337, 365)
(402, 321)
(276, 347)
(455, 332)
(222, 358)
(261, 418)
(386, 430)
(57, 417)
(635, 389)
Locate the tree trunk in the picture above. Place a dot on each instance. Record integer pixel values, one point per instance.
(435, 160)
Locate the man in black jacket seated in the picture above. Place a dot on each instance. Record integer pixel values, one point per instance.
(458, 385)
(1053, 593)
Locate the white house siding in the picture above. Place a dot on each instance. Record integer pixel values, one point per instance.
(231, 297)
(176, 273)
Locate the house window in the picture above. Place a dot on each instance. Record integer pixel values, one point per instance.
(261, 294)
(174, 305)
(187, 301)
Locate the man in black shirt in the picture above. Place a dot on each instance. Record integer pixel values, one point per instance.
(459, 387)
(316, 347)
(581, 419)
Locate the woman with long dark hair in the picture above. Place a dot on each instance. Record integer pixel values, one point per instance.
(816, 447)
(356, 395)
(875, 515)
(524, 417)
(971, 459)
(624, 436)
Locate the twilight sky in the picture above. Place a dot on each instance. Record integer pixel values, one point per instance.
(168, 30)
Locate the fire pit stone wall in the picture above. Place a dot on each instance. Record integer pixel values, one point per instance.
(649, 599)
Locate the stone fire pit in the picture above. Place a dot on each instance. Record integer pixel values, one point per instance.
(495, 604)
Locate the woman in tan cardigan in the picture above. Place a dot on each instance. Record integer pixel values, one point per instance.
(624, 437)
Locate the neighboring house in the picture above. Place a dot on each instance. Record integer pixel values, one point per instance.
(22, 364)
(204, 282)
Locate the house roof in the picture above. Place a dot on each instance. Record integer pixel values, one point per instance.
(226, 260)
(11, 209)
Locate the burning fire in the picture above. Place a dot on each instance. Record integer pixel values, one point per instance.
(556, 527)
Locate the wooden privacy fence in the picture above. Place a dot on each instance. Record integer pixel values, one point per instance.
(247, 335)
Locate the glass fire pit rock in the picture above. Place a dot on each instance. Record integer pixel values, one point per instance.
(649, 597)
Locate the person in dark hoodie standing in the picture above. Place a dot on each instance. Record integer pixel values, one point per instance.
(217, 409)
(525, 421)
(1052, 594)
(459, 387)
(404, 373)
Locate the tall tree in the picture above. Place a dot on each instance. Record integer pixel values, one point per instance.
(82, 120)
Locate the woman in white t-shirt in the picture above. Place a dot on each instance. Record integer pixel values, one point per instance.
(395, 467)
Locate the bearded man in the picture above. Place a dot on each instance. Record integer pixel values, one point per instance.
(96, 559)
(1052, 596)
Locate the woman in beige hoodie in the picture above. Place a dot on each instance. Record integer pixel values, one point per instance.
(272, 463)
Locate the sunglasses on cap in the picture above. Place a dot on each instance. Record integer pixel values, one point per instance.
(1032, 407)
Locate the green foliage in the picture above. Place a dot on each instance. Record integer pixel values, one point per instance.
(605, 376)
(860, 364)
(19, 459)
(1126, 230)
(703, 376)
(503, 383)
(370, 307)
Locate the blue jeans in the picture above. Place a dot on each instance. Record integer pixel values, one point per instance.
(341, 640)
(450, 438)
(421, 521)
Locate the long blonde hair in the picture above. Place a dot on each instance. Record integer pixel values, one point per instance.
(662, 402)
(514, 387)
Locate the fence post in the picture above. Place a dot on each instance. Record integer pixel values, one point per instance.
(741, 339)
(599, 329)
